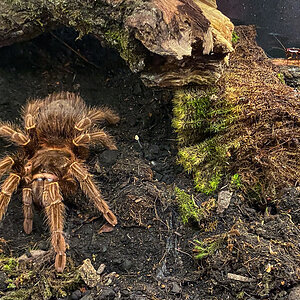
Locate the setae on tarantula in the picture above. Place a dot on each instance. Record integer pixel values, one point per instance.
(50, 161)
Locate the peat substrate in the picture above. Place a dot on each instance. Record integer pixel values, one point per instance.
(249, 252)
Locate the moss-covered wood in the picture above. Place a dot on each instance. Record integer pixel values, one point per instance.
(170, 43)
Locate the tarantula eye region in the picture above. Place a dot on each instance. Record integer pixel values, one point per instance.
(44, 176)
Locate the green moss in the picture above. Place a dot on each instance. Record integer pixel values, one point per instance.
(236, 181)
(46, 290)
(10, 285)
(207, 182)
(187, 207)
(21, 294)
(190, 109)
(119, 39)
(38, 282)
(208, 161)
(204, 249)
(10, 264)
(201, 119)
(199, 112)
(235, 37)
(281, 77)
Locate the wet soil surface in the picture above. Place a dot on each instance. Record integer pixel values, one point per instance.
(149, 253)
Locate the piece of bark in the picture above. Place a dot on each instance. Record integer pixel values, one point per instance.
(169, 42)
(89, 274)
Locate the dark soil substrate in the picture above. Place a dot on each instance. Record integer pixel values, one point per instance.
(150, 250)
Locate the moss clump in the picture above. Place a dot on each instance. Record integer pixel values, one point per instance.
(189, 210)
(248, 126)
(206, 248)
(206, 181)
(10, 264)
(187, 207)
(200, 119)
(281, 77)
(119, 39)
(199, 112)
(38, 281)
(208, 160)
(234, 38)
(190, 113)
(21, 294)
(236, 181)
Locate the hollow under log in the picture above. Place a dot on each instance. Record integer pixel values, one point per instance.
(168, 42)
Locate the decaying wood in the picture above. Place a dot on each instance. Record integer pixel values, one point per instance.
(169, 42)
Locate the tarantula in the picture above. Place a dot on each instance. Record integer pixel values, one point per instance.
(50, 161)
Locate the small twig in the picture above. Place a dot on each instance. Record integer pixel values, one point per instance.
(163, 257)
(181, 251)
(73, 50)
(86, 221)
(240, 278)
(157, 216)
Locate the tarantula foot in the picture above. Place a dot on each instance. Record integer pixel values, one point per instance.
(60, 262)
(110, 218)
(27, 225)
(113, 147)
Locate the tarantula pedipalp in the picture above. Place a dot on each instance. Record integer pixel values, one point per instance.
(50, 162)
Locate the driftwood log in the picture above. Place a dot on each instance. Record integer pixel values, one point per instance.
(168, 42)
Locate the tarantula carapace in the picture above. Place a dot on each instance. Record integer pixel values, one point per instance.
(50, 161)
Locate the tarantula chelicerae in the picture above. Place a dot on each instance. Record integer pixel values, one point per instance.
(53, 147)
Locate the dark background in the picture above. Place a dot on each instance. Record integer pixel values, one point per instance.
(272, 17)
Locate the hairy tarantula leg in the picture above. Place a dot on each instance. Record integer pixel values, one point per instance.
(89, 188)
(16, 136)
(8, 187)
(95, 115)
(27, 210)
(5, 165)
(55, 209)
(99, 136)
(29, 112)
(29, 122)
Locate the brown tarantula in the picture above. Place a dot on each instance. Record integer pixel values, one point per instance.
(50, 161)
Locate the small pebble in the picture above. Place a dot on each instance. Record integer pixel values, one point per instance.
(117, 261)
(102, 248)
(101, 269)
(125, 293)
(126, 264)
(76, 295)
(106, 294)
(175, 288)
(87, 297)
